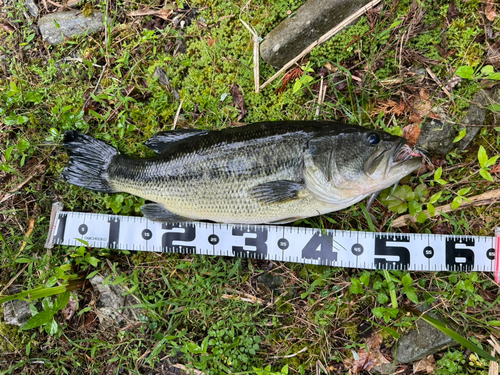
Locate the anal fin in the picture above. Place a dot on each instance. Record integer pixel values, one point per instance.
(277, 191)
(158, 212)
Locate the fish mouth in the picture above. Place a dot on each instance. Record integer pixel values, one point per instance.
(402, 154)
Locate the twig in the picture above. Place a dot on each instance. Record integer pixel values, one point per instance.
(31, 225)
(12, 192)
(255, 38)
(13, 279)
(245, 297)
(436, 79)
(106, 32)
(176, 118)
(322, 39)
(7, 340)
(489, 197)
(320, 97)
(188, 370)
(291, 355)
(493, 370)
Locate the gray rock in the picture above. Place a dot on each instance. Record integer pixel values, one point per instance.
(32, 8)
(110, 307)
(70, 23)
(437, 136)
(422, 342)
(476, 115)
(311, 21)
(16, 312)
(273, 282)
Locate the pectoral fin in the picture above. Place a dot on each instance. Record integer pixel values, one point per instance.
(158, 212)
(277, 191)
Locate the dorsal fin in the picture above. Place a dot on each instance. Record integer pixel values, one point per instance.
(162, 140)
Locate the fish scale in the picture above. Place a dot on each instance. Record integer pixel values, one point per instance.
(271, 172)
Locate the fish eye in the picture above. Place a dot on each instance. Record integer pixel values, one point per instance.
(373, 138)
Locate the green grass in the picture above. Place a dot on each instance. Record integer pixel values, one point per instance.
(106, 88)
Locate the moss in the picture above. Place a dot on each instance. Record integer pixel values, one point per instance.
(18, 339)
(143, 257)
(341, 47)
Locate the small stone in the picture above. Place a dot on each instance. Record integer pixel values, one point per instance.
(32, 8)
(273, 282)
(16, 312)
(422, 342)
(476, 115)
(70, 23)
(311, 21)
(110, 307)
(436, 136)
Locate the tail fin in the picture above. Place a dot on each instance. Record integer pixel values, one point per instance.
(89, 159)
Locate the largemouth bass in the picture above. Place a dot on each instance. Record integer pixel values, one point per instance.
(268, 172)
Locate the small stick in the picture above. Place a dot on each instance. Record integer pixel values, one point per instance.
(320, 97)
(490, 197)
(322, 39)
(188, 370)
(176, 118)
(436, 79)
(255, 38)
(291, 355)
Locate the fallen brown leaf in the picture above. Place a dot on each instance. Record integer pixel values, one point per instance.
(411, 133)
(238, 101)
(367, 359)
(390, 107)
(421, 103)
(7, 27)
(452, 12)
(70, 309)
(290, 76)
(495, 169)
(162, 13)
(494, 54)
(489, 10)
(425, 365)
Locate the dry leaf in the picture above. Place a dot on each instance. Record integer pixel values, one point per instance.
(70, 309)
(238, 101)
(162, 13)
(421, 103)
(425, 364)
(367, 359)
(411, 134)
(495, 169)
(390, 107)
(291, 75)
(494, 54)
(452, 13)
(489, 11)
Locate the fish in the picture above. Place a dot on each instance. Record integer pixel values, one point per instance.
(263, 173)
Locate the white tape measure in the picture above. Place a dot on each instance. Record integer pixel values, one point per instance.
(336, 248)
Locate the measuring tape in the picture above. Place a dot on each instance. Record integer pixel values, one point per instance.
(336, 248)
